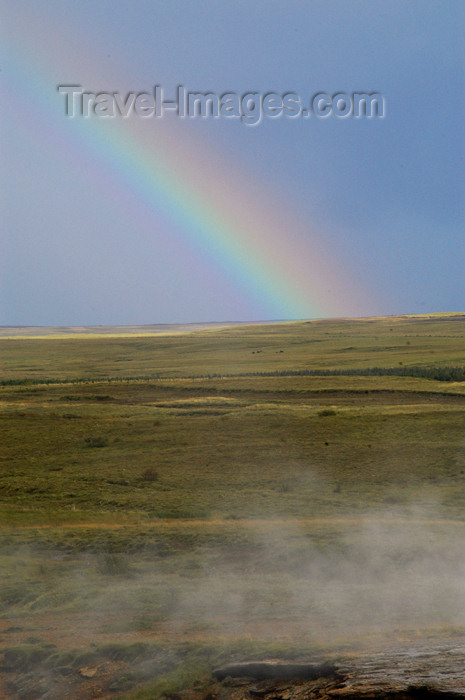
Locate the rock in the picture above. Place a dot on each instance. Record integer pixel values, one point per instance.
(88, 671)
(262, 670)
(434, 672)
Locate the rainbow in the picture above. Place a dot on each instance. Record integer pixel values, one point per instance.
(258, 242)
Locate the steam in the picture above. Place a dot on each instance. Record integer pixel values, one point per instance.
(388, 575)
(393, 572)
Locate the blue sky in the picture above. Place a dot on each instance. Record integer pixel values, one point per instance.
(383, 198)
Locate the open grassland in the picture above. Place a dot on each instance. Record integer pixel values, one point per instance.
(169, 501)
(243, 349)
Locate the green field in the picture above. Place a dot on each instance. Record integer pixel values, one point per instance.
(169, 501)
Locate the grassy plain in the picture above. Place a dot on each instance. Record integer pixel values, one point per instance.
(169, 501)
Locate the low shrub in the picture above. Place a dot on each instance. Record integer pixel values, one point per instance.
(95, 442)
(114, 564)
(150, 474)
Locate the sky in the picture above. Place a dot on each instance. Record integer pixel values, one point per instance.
(168, 220)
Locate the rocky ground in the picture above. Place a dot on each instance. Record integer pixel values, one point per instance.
(402, 674)
(433, 672)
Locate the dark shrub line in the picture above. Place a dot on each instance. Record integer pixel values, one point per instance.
(442, 374)
(447, 373)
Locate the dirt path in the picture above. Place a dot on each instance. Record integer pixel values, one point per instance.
(200, 523)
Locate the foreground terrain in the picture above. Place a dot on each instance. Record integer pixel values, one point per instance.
(172, 502)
